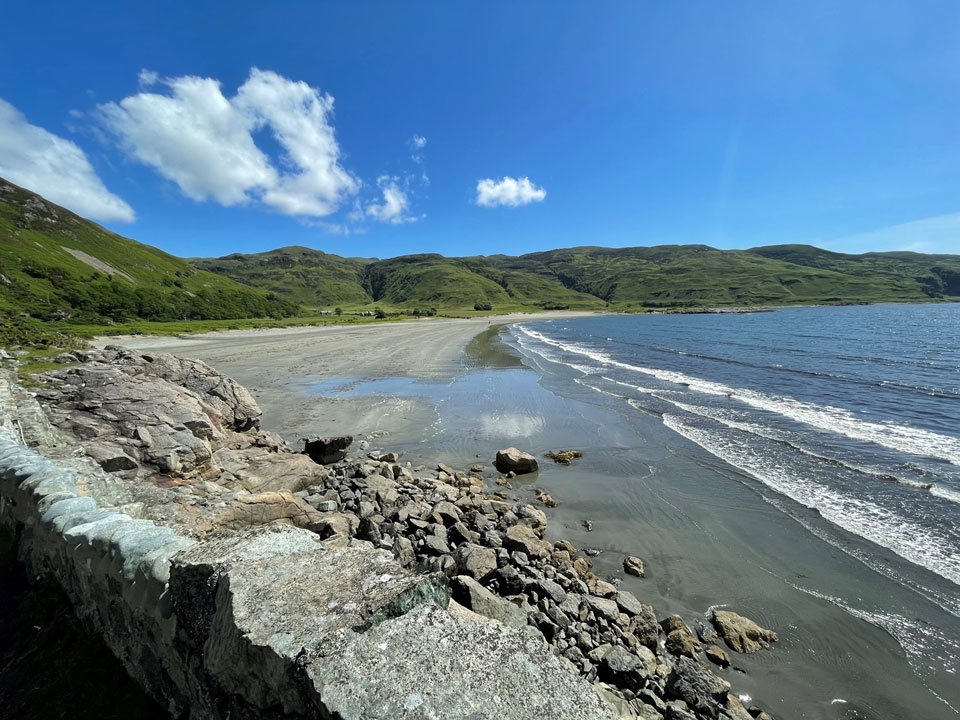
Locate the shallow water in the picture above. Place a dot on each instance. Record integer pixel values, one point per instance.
(799, 467)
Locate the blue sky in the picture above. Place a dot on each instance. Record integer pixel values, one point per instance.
(385, 128)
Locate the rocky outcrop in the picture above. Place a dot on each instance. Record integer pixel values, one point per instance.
(515, 461)
(740, 633)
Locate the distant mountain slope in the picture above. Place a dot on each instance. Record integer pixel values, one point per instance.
(594, 277)
(56, 265)
(936, 274)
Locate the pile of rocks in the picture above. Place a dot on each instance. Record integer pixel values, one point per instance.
(500, 566)
(186, 442)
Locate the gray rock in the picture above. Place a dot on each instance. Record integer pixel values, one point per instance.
(522, 538)
(471, 594)
(628, 603)
(476, 561)
(622, 668)
(695, 685)
(426, 664)
(513, 460)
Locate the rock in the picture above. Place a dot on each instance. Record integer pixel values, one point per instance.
(645, 627)
(545, 498)
(698, 687)
(432, 664)
(435, 545)
(740, 633)
(445, 513)
(326, 450)
(588, 525)
(476, 561)
(508, 580)
(534, 517)
(623, 669)
(633, 565)
(336, 523)
(717, 655)
(521, 538)
(564, 457)
(548, 588)
(512, 460)
(110, 457)
(628, 603)
(601, 588)
(607, 609)
(679, 643)
(257, 471)
(471, 594)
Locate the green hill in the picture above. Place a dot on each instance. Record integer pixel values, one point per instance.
(305, 276)
(55, 265)
(665, 276)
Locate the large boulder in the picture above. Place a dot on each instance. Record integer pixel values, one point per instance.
(326, 450)
(513, 460)
(740, 633)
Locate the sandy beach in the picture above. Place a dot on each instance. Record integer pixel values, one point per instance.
(279, 365)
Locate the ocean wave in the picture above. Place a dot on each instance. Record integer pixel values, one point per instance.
(903, 438)
(784, 439)
(920, 545)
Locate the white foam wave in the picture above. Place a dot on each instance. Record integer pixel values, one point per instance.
(903, 438)
(923, 546)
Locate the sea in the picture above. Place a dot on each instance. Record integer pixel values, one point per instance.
(845, 420)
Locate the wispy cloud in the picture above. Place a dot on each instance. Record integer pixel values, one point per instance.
(394, 205)
(509, 192)
(55, 168)
(937, 234)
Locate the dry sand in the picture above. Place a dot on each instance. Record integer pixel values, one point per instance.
(279, 365)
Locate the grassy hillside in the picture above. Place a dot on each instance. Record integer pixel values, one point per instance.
(309, 277)
(697, 275)
(55, 265)
(317, 279)
(937, 275)
(666, 276)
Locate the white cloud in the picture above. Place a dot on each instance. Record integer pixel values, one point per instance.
(203, 141)
(395, 203)
(418, 141)
(937, 234)
(146, 78)
(55, 168)
(509, 191)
